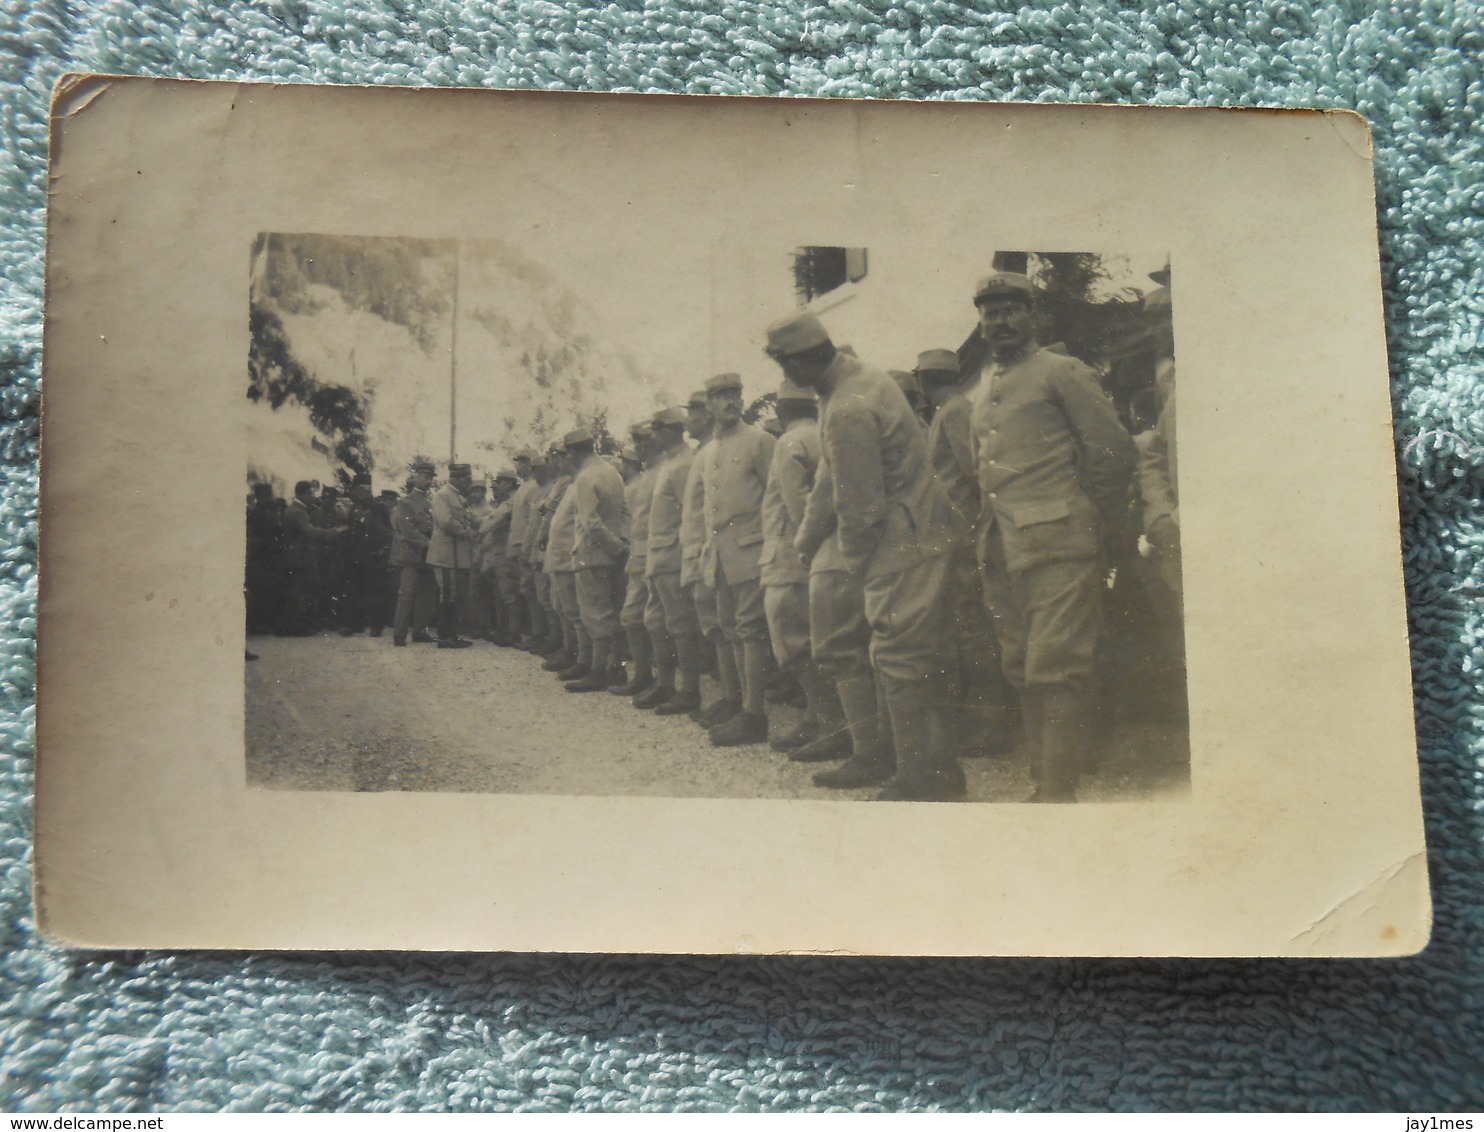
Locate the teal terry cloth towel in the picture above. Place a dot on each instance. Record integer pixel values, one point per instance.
(152, 1031)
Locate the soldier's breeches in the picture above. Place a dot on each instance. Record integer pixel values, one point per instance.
(788, 623)
(704, 597)
(636, 599)
(541, 587)
(1048, 621)
(674, 604)
(740, 610)
(564, 596)
(417, 594)
(597, 590)
(839, 634)
(908, 627)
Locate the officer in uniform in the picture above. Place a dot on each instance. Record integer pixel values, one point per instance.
(525, 609)
(734, 476)
(451, 554)
(979, 719)
(598, 552)
(302, 609)
(643, 647)
(1054, 467)
(895, 529)
(412, 531)
(785, 576)
(700, 426)
(553, 640)
(670, 615)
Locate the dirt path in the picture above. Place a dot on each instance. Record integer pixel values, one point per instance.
(355, 713)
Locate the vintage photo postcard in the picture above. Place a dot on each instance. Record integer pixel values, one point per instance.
(530, 521)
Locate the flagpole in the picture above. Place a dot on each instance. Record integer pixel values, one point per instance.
(453, 360)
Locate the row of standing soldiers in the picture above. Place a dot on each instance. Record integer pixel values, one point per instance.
(936, 589)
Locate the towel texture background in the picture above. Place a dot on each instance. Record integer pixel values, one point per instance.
(392, 1031)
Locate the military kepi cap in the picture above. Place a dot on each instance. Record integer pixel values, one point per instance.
(460, 470)
(723, 382)
(506, 474)
(936, 361)
(697, 400)
(673, 417)
(796, 333)
(424, 466)
(1004, 283)
(640, 429)
(793, 391)
(578, 436)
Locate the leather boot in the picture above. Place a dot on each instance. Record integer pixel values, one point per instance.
(683, 702)
(596, 677)
(719, 712)
(927, 770)
(872, 762)
(1066, 732)
(743, 729)
(653, 698)
(643, 678)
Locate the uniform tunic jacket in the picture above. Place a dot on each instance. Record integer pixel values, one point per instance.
(494, 535)
(734, 475)
(1157, 467)
(951, 451)
(666, 511)
(521, 508)
(412, 529)
(453, 541)
(693, 520)
(889, 511)
(790, 478)
(638, 495)
(534, 548)
(1053, 458)
(597, 499)
(561, 528)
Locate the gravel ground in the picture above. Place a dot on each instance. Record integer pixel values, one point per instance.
(355, 713)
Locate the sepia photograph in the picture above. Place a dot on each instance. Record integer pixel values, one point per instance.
(915, 538)
(574, 520)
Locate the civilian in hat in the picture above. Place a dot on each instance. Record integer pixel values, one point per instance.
(894, 529)
(638, 495)
(369, 600)
(700, 426)
(262, 583)
(785, 577)
(670, 616)
(412, 533)
(597, 555)
(302, 611)
(978, 703)
(1054, 466)
(734, 476)
(451, 554)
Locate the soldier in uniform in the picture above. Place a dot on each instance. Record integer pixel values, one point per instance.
(1054, 467)
(979, 718)
(558, 534)
(734, 476)
(525, 610)
(412, 531)
(699, 426)
(894, 528)
(481, 614)
(912, 390)
(500, 569)
(597, 554)
(643, 647)
(451, 554)
(555, 640)
(264, 534)
(785, 577)
(670, 615)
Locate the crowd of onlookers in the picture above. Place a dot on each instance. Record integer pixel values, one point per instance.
(977, 555)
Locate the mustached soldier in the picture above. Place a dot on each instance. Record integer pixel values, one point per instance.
(1054, 468)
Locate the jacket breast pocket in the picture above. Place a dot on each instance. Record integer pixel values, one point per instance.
(749, 539)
